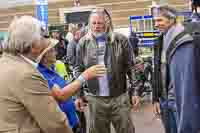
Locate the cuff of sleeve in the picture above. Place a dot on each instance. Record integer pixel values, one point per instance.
(132, 92)
(155, 100)
(136, 93)
(81, 79)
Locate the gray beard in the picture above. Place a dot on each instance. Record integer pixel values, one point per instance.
(96, 35)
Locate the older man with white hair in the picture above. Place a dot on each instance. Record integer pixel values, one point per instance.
(26, 105)
(108, 97)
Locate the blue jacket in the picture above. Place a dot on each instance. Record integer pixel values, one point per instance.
(184, 78)
(68, 107)
(184, 75)
(184, 81)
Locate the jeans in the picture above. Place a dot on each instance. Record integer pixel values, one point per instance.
(168, 116)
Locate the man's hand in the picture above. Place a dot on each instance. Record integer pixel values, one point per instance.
(136, 101)
(80, 104)
(94, 71)
(156, 108)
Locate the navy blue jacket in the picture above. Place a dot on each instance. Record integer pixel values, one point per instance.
(185, 77)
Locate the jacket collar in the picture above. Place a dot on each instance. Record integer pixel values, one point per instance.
(34, 64)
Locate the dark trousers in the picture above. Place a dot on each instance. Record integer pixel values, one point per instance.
(168, 117)
(81, 127)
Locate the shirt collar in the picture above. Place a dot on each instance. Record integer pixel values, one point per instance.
(30, 61)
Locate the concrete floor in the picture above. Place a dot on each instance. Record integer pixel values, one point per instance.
(145, 121)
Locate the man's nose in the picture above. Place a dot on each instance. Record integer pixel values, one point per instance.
(156, 24)
(96, 26)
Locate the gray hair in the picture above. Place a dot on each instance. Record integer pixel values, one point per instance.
(22, 33)
(168, 12)
(108, 21)
(72, 27)
(106, 15)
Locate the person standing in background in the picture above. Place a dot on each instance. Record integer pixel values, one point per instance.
(71, 31)
(71, 49)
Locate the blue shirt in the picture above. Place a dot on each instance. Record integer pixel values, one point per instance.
(68, 106)
(103, 81)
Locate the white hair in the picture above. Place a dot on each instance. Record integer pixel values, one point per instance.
(72, 27)
(22, 33)
(108, 22)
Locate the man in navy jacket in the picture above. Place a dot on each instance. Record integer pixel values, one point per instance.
(180, 72)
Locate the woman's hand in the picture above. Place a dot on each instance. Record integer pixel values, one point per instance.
(56, 91)
(94, 71)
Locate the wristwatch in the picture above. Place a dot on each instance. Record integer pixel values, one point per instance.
(81, 79)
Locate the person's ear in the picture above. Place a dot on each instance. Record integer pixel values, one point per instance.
(36, 48)
(172, 21)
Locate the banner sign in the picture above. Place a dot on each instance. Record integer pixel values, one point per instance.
(42, 12)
